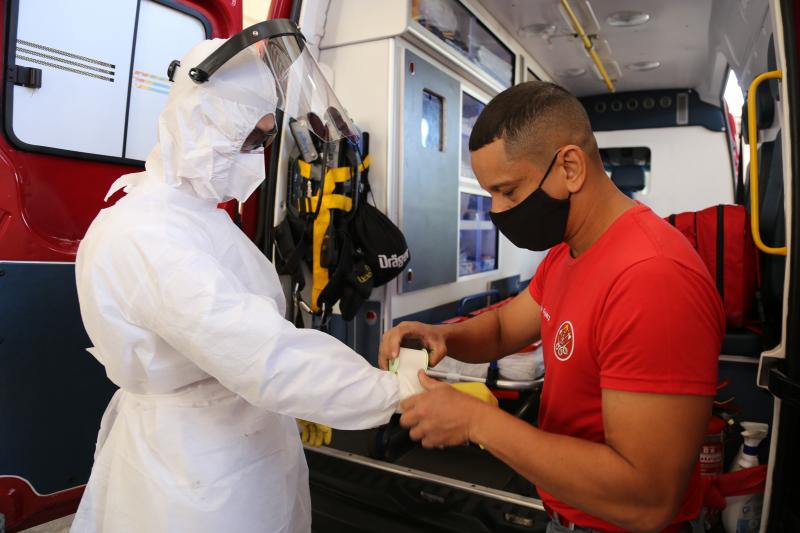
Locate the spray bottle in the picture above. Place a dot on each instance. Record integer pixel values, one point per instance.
(742, 514)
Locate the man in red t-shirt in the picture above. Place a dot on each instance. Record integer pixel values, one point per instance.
(629, 318)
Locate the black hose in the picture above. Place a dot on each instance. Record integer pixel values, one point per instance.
(267, 228)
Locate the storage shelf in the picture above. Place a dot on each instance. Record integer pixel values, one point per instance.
(472, 225)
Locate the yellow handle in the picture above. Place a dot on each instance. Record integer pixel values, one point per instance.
(588, 45)
(752, 139)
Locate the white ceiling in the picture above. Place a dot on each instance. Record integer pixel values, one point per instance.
(693, 52)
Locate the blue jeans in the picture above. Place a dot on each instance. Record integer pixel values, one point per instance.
(694, 526)
(552, 527)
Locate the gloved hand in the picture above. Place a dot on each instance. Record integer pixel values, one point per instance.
(477, 390)
(314, 434)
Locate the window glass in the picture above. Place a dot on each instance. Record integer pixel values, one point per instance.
(477, 234)
(153, 54)
(734, 99)
(628, 167)
(432, 123)
(470, 109)
(102, 85)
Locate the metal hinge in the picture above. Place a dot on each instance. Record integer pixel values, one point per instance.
(25, 76)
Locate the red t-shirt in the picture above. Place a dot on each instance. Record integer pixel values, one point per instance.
(636, 312)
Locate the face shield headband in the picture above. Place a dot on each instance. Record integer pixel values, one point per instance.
(303, 93)
(269, 29)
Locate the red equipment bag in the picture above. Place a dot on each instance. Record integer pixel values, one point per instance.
(721, 235)
(751, 480)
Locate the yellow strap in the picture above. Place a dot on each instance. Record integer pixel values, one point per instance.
(305, 168)
(319, 274)
(752, 131)
(338, 175)
(333, 201)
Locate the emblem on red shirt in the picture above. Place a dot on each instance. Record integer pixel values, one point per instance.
(564, 343)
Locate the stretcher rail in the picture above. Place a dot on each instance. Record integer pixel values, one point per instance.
(501, 383)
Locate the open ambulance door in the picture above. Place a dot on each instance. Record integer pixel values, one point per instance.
(781, 373)
(84, 82)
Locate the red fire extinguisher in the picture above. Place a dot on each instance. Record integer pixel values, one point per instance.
(712, 452)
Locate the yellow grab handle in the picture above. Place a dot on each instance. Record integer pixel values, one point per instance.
(752, 139)
(588, 45)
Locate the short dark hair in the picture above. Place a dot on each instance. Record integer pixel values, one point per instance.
(534, 119)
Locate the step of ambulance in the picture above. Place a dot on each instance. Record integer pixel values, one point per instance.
(356, 493)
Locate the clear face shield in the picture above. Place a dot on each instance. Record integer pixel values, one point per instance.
(290, 72)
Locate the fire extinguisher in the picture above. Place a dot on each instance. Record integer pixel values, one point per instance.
(712, 453)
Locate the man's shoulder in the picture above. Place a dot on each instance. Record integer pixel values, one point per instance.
(662, 240)
(640, 244)
(642, 236)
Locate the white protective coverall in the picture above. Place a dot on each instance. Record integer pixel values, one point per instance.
(187, 316)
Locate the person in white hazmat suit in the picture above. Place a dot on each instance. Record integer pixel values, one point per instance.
(187, 316)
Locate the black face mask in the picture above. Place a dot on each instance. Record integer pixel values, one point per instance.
(536, 223)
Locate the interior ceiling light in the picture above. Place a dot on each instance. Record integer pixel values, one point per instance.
(542, 29)
(625, 19)
(643, 65)
(571, 72)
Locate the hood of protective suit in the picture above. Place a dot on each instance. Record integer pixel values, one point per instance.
(203, 126)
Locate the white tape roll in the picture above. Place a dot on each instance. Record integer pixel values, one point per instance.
(407, 366)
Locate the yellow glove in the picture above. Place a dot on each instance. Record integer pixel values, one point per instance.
(477, 390)
(314, 434)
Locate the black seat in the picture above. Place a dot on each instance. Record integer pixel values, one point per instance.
(628, 178)
(772, 220)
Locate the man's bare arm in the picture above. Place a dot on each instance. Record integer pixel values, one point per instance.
(483, 338)
(636, 479)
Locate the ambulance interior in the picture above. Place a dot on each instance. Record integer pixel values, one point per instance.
(667, 114)
(664, 85)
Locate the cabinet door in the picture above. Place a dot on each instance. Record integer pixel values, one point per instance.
(429, 182)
